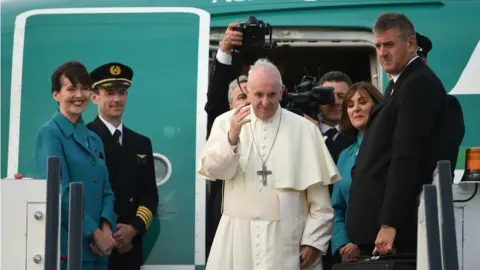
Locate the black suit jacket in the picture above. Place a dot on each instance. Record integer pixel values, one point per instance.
(217, 95)
(396, 158)
(338, 145)
(132, 177)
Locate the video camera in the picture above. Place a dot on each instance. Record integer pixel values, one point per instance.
(306, 97)
(254, 45)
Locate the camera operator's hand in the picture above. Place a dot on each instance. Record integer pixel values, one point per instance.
(239, 118)
(231, 38)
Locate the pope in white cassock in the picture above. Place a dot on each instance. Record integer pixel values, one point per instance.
(276, 170)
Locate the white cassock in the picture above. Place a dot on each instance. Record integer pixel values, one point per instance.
(263, 226)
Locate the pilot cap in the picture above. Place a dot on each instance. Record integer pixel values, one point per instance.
(111, 76)
(424, 45)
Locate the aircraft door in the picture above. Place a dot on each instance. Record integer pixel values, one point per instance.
(167, 49)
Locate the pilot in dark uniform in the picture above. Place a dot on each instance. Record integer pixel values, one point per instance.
(130, 165)
(424, 46)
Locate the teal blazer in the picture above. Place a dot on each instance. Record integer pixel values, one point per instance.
(82, 159)
(341, 192)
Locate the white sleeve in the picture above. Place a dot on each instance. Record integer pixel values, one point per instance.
(219, 159)
(224, 58)
(319, 225)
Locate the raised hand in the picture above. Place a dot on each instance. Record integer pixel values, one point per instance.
(231, 39)
(239, 118)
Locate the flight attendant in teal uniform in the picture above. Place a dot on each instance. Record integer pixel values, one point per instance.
(82, 159)
(359, 100)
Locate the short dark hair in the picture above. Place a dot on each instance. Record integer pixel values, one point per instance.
(346, 127)
(74, 71)
(392, 20)
(335, 76)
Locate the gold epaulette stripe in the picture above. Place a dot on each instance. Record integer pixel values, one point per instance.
(142, 217)
(146, 211)
(145, 214)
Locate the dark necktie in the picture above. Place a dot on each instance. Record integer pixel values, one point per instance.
(389, 90)
(116, 136)
(330, 134)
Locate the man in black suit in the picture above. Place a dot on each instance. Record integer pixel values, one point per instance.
(228, 65)
(130, 165)
(424, 46)
(331, 114)
(396, 156)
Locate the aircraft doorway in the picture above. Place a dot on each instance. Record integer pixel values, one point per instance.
(165, 102)
(315, 51)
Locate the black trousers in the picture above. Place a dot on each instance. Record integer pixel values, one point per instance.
(131, 260)
(330, 259)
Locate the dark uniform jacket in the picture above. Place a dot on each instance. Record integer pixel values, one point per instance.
(132, 176)
(396, 158)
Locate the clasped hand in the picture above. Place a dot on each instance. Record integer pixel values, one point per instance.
(123, 237)
(103, 241)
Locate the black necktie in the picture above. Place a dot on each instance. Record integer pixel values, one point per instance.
(389, 90)
(116, 136)
(330, 134)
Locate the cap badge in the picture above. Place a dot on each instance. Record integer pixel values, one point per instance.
(115, 70)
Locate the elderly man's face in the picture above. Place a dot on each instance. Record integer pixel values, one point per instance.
(238, 97)
(264, 93)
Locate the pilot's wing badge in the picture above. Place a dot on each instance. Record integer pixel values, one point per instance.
(141, 159)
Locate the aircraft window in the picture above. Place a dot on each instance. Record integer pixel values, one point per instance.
(163, 168)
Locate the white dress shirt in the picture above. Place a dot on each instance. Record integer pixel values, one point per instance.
(324, 128)
(112, 128)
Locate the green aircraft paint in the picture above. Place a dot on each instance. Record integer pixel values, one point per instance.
(168, 53)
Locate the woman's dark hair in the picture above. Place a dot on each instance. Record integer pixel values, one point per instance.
(74, 71)
(346, 127)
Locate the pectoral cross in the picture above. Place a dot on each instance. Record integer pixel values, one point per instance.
(264, 174)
